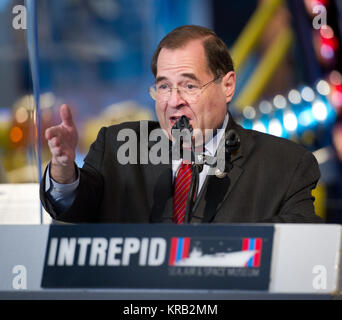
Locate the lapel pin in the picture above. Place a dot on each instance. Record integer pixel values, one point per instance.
(220, 174)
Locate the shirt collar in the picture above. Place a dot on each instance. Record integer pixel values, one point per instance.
(211, 145)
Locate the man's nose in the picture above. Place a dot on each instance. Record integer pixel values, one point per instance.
(175, 98)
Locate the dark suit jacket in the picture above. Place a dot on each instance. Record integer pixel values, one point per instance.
(271, 181)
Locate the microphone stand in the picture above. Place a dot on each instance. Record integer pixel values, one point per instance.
(181, 124)
(194, 183)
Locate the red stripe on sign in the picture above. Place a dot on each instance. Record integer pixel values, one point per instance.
(173, 251)
(257, 256)
(245, 244)
(186, 247)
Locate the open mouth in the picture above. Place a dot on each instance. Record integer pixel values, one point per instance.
(174, 119)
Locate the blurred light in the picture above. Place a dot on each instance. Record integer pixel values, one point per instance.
(308, 94)
(322, 155)
(294, 96)
(21, 115)
(336, 98)
(249, 112)
(5, 115)
(323, 87)
(16, 134)
(290, 121)
(319, 110)
(47, 100)
(308, 137)
(259, 126)
(247, 124)
(327, 32)
(275, 127)
(265, 107)
(306, 118)
(335, 78)
(279, 101)
(106, 9)
(332, 43)
(327, 52)
(310, 4)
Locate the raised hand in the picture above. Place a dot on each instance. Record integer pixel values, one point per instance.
(62, 140)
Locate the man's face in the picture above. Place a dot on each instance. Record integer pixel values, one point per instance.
(187, 66)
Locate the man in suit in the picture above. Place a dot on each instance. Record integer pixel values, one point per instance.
(270, 179)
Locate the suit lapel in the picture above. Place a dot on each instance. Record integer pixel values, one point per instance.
(216, 190)
(159, 186)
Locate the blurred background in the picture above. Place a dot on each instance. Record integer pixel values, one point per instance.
(95, 56)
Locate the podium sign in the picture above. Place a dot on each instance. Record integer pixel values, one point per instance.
(170, 256)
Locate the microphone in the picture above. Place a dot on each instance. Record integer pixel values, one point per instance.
(182, 123)
(182, 131)
(232, 141)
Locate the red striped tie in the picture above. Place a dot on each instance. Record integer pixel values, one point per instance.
(182, 185)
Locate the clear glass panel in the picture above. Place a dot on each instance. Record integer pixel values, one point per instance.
(95, 56)
(17, 126)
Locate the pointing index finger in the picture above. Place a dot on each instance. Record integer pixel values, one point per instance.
(66, 115)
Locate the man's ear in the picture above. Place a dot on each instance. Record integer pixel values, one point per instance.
(228, 85)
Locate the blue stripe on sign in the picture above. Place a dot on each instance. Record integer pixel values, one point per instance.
(251, 247)
(179, 249)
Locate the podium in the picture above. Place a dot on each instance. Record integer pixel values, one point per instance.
(160, 261)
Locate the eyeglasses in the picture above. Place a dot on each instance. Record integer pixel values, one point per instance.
(189, 90)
